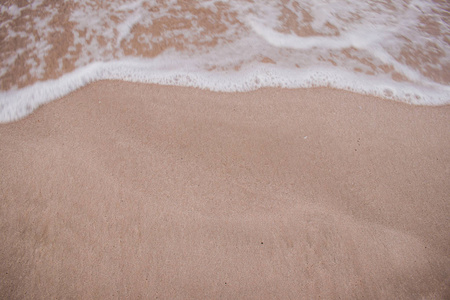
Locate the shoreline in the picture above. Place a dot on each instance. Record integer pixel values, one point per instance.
(138, 190)
(16, 104)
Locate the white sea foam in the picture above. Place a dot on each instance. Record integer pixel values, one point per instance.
(393, 49)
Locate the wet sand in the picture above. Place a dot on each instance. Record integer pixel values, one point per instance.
(123, 190)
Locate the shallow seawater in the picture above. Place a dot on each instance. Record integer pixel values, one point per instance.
(396, 49)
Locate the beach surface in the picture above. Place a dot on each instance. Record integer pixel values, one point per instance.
(126, 190)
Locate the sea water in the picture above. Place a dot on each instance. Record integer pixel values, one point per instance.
(395, 49)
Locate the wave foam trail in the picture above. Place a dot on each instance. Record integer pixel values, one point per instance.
(393, 49)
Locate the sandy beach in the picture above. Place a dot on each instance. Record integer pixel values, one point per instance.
(137, 191)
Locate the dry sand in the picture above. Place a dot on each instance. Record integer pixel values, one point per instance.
(131, 190)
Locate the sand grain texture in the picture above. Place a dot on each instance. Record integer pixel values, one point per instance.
(131, 190)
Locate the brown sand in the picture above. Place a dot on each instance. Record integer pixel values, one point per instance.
(133, 190)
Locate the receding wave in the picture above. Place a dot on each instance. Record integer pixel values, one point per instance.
(398, 49)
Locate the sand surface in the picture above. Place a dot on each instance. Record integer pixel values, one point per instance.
(124, 190)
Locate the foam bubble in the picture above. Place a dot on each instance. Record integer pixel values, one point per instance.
(392, 49)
